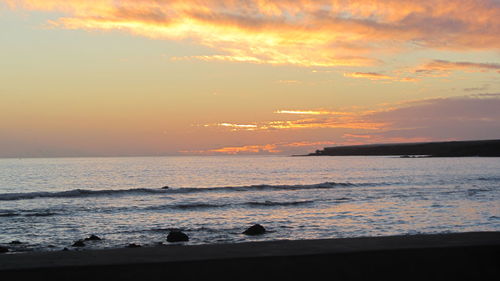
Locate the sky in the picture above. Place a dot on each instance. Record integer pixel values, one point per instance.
(170, 77)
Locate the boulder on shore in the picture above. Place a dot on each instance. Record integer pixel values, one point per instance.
(255, 229)
(79, 243)
(93, 238)
(133, 245)
(177, 236)
(16, 242)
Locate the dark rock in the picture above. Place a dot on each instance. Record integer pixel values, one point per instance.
(165, 187)
(133, 245)
(65, 249)
(16, 242)
(3, 249)
(93, 238)
(177, 236)
(255, 229)
(51, 246)
(79, 243)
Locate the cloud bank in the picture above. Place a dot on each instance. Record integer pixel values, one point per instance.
(297, 32)
(444, 68)
(456, 118)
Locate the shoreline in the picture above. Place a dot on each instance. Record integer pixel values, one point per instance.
(472, 254)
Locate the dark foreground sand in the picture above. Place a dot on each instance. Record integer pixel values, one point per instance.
(473, 256)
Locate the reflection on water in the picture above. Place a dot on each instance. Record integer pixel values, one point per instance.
(56, 201)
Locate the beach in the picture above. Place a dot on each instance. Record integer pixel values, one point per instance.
(472, 255)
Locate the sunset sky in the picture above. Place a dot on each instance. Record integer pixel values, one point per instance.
(171, 77)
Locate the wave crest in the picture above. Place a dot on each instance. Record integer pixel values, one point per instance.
(146, 191)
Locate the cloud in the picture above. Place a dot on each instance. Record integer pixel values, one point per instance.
(249, 127)
(274, 148)
(346, 122)
(473, 107)
(319, 33)
(245, 149)
(350, 139)
(466, 117)
(254, 149)
(486, 95)
(473, 89)
(308, 143)
(470, 117)
(357, 136)
(312, 112)
(378, 76)
(289, 82)
(444, 68)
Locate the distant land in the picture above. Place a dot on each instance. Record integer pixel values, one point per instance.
(484, 148)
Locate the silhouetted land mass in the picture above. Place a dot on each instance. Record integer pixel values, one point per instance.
(485, 148)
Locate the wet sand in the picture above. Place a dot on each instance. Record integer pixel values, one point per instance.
(472, 255)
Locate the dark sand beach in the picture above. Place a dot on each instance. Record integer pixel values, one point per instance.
(473, 256)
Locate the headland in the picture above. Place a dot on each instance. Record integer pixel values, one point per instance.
(482, 148)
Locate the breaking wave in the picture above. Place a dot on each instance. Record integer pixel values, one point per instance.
(20, 214)
(274, 204)
(146, 191)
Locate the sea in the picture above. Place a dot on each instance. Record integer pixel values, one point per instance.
(46, 204)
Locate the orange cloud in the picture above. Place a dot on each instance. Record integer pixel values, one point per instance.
(315, 123)
(312, 112)
(357, 136)
(351, 122)
(274, 148)
(234, 126)
(246, 149)
(386, 116)
(320, 33)
(377, 76)
(308, 143)
(464, 117)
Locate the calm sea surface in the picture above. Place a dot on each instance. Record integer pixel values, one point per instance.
(47, 204)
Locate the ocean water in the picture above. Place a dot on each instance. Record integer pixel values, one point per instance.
(47, 204)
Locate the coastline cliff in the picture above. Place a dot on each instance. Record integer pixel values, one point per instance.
(483, 148)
